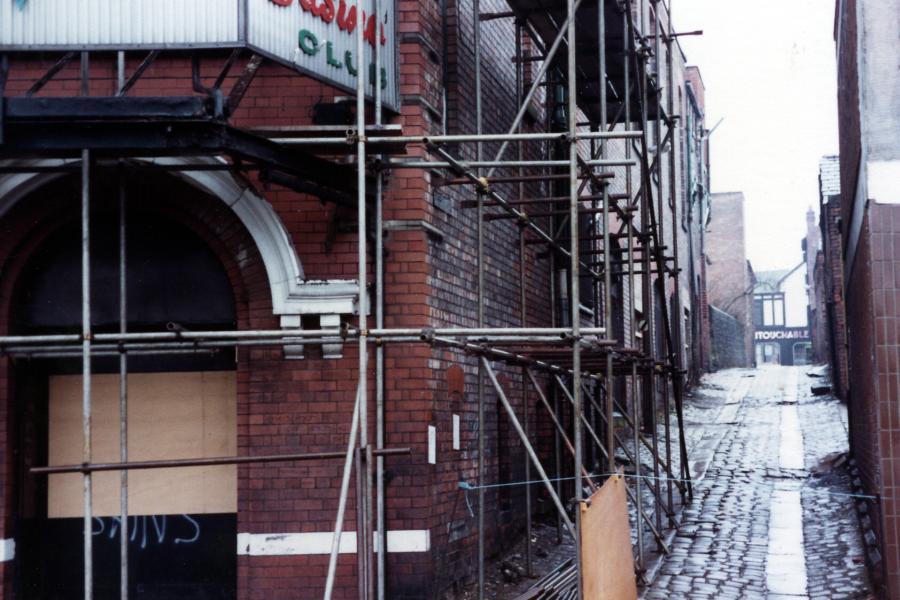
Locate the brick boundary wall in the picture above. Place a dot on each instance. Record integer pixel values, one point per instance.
(727, 340)
(834, 298)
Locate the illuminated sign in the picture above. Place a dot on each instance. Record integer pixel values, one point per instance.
(783, 334)
(317, 37)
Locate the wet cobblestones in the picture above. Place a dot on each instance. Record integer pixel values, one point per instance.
(834, 550)
(722, 547)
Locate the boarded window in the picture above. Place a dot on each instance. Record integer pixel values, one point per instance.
(170, 415)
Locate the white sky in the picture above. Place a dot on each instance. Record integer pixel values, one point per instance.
(769, 70)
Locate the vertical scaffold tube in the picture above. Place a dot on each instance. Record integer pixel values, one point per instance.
(476, 24)
(607, 252)
(661, 276)
(86, 368)
(635, 400)
(364, 538)
(572, 110)
(679, 344)
(381, 556)
(123, 397)
(123, 368)
(523, 301)
(676, 294)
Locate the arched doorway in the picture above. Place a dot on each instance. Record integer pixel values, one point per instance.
(182, 521)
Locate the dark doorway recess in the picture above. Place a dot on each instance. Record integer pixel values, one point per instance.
(173, 276)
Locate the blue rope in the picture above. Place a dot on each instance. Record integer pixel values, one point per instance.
(465, 485)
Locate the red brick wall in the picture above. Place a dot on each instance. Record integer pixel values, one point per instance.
(453, 301)
(705, 327)
(728, 281)
(818, 313)
(848, 101)
(833, 283)
(291, 406)
(873, 300)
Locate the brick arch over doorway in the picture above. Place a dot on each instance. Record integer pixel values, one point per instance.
(34, 222)
(292, 294)
(283, 405)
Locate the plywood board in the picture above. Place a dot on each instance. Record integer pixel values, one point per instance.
(170, 415)
(606, 559)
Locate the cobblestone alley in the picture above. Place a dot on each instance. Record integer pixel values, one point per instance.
(771, 517)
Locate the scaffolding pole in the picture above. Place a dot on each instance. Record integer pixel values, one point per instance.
(588, 357)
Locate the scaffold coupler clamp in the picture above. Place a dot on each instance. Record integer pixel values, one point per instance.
(571, 337)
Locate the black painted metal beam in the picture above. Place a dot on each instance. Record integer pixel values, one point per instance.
(122, 127)
(105, 108)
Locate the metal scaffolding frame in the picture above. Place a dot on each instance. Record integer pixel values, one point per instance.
(575, 361)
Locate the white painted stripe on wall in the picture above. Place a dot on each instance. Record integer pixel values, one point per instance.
(432, 445)
(7, 550)
(319, 542)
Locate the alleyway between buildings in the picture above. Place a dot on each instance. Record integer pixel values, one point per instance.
(772, 516)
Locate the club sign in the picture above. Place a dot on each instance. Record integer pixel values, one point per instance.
(320, 36)
(317, 37)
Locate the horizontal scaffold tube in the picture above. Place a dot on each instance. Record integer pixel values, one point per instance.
(461, 138)
(194, 346)
(291, 336)
(202, 462)
(500, 164)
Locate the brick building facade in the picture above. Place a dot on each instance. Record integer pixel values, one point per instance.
(696, 174)
(869, 116)
(830, 326)
(730, 279)
(269, 257)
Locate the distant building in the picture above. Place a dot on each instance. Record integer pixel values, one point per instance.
(695, 216)
(781, 335)
(811, 245)
(866, 33)
(828, 315)
(730, 282)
